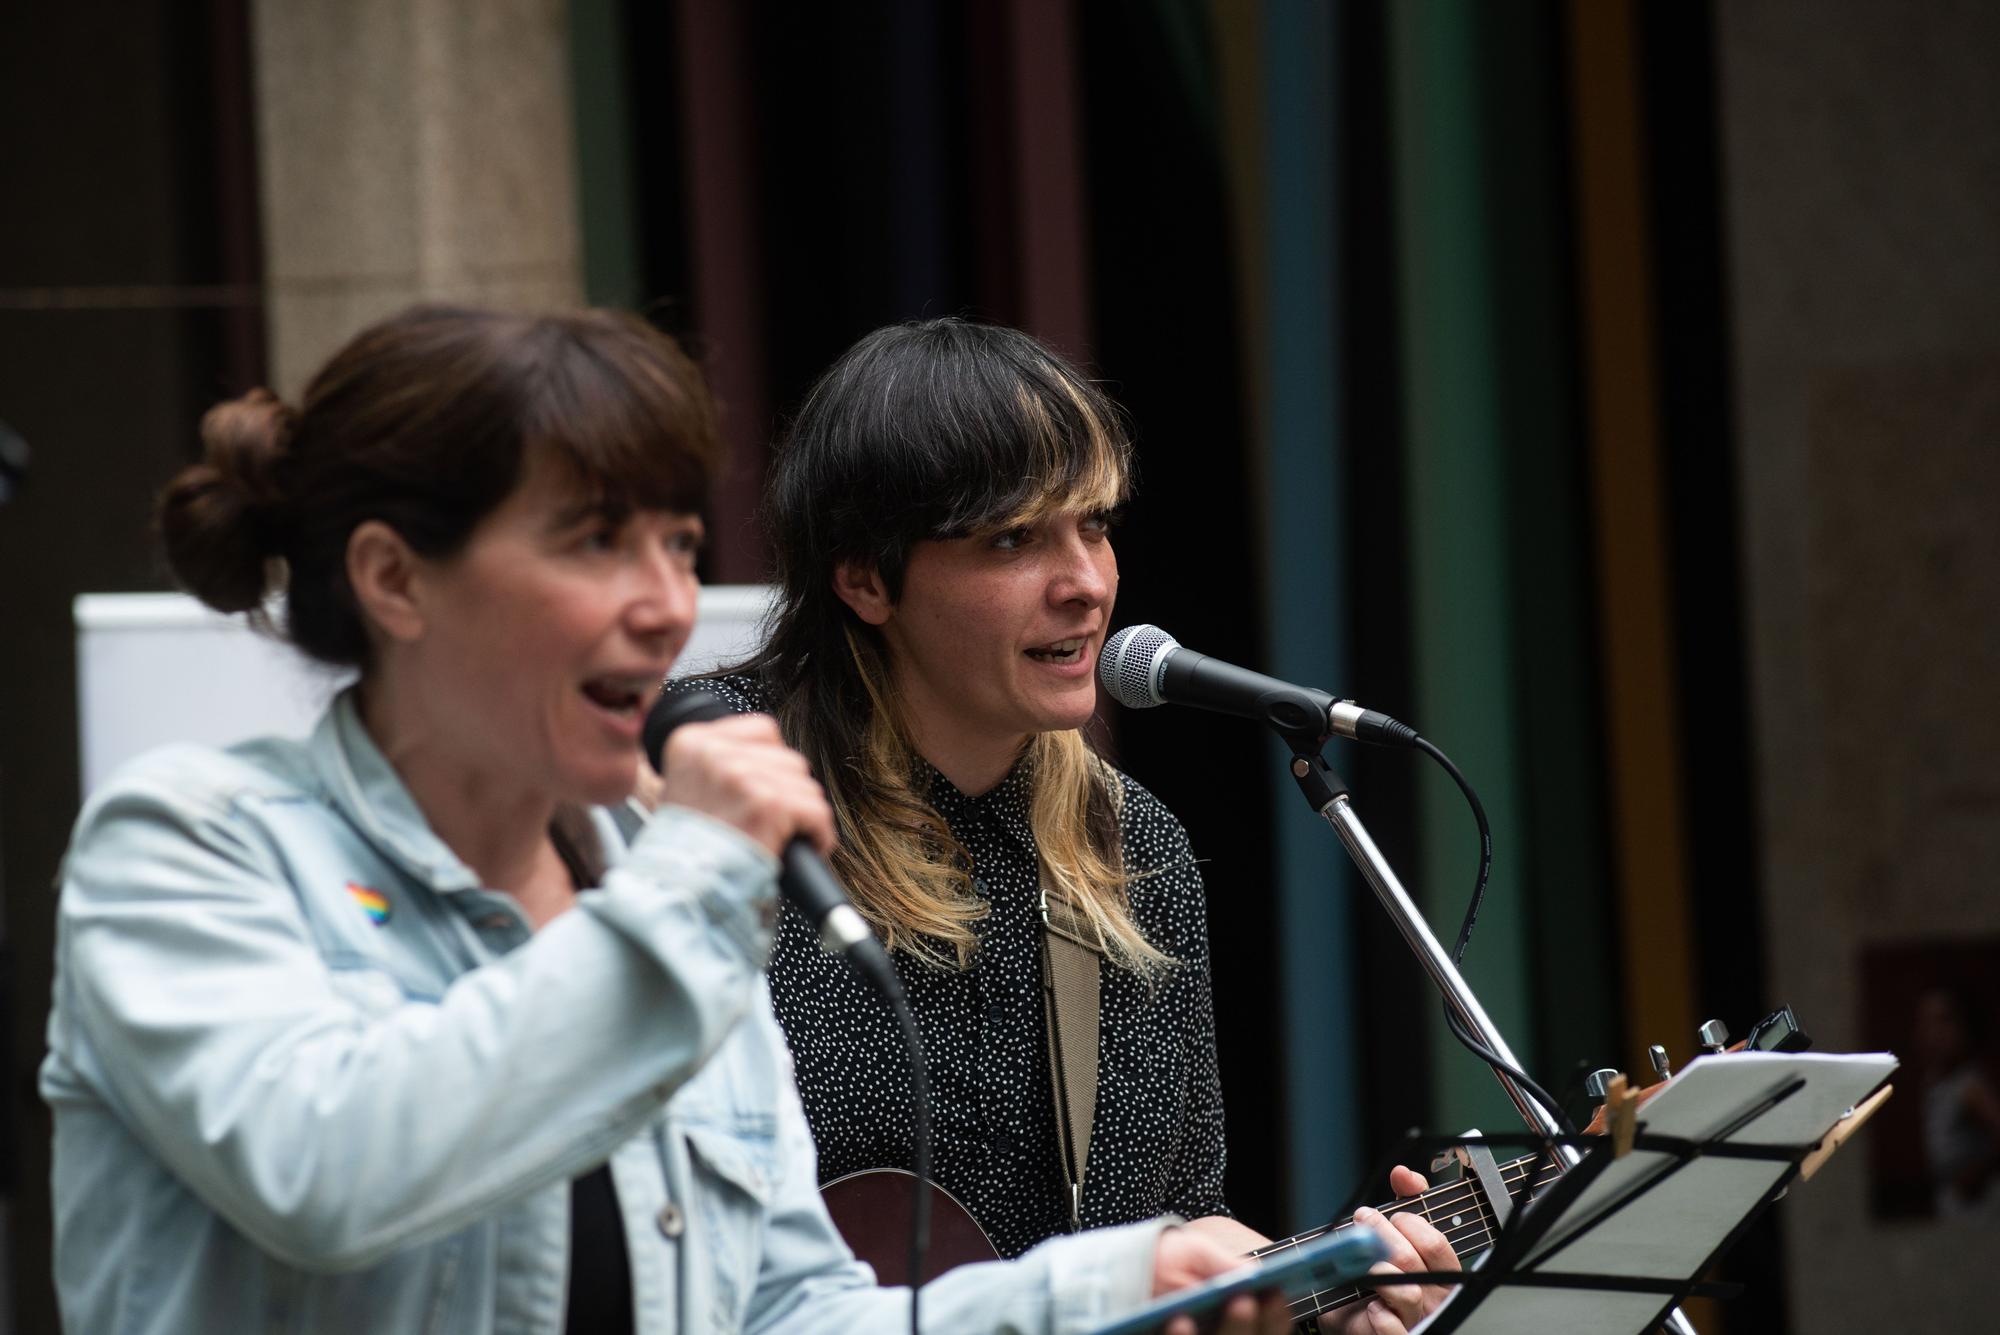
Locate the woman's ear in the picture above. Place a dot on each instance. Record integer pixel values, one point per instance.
(859, 585)
(383, 572)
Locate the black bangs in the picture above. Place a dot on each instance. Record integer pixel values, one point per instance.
(1015, 446)
(608, 399)
(938, 430)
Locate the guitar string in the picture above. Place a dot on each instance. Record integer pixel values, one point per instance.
(1461, 1238)
(1460, 1196)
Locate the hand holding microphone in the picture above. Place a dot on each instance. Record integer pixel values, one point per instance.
(737, 768)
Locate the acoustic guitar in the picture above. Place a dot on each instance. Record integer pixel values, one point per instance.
(872, 1207)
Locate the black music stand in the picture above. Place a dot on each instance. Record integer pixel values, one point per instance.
(1622, 1239)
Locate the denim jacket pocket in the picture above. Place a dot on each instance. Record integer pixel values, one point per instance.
(731, 1214)
(741, 1161)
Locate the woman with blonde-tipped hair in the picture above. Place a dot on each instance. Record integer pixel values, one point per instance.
(941, 511)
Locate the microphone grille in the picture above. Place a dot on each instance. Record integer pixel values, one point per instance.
(1128, 668)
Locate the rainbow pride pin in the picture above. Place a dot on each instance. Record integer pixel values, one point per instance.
(373, 902)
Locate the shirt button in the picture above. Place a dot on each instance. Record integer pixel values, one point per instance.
(670, 1220)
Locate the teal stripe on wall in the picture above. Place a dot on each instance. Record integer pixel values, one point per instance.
(606, 198)
(1566, 864)
(1304, 561)
(1459, 551)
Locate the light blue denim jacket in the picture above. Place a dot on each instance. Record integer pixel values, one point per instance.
(308, 1075)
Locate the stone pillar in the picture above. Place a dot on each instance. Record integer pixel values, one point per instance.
(1862, 196)
(410, 150)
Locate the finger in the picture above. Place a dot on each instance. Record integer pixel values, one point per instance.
(1407, 1181)
(812, 814)
(1432, 1246)
(746, 726)
(1368, 1317)
(1405, 1301)
(1274, 1315)
(1434, 1249)
(1381, 1319)
(1397, 1249)
(1239, 1316)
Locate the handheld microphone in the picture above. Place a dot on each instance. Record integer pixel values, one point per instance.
(1143, 666)
(803, 877)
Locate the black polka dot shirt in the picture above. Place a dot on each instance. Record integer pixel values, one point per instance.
(1156, 1144)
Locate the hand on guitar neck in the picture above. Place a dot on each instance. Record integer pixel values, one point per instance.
(1414, 1245)
(1205, 1247)
(1186, 1256)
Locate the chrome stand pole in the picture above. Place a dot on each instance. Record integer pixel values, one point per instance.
(1331, 801)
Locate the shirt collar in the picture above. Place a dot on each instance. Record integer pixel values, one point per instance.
(1009, 797)
(366, 789)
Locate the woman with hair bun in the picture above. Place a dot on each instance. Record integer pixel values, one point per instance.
(941, 512)
(389, 1029)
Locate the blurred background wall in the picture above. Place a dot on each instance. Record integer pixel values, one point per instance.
(1607, 388)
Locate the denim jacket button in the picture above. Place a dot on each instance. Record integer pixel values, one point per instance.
(670, 1220)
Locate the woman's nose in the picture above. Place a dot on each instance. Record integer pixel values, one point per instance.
(664, 598)
(1088, 574)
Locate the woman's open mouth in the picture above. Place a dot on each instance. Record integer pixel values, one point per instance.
(624, 696)
(1062, 651)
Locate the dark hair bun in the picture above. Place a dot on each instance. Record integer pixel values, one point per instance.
(217, 517)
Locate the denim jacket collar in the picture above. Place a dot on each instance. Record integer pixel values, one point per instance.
(365, 788)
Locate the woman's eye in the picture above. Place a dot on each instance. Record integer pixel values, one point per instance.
(685, 544)
(601, 537)
(1009, 539)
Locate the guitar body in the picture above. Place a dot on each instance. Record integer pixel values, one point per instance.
(872, 1211)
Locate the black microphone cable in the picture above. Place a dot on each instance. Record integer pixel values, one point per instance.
(1386, 731)
(806, 880)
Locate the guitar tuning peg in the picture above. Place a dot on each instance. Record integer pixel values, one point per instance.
(1597, 1082)
(1714, 1035)
(1657, 1055)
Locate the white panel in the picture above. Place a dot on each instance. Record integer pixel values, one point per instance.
(154, 668)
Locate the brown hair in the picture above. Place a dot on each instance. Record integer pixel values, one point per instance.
(426, 422)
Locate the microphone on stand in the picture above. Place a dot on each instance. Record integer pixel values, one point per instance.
(1143, 666)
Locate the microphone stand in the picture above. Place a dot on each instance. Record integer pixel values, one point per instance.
(1326, 792)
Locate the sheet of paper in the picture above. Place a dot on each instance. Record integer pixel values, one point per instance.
(1685, 1215)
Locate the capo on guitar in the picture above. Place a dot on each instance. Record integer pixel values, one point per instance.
(1476, 1159)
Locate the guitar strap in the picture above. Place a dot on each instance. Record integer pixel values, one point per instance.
(1071, 959)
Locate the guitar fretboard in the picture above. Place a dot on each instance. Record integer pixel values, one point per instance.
(1458, 1210)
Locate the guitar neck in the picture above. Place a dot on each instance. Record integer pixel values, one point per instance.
(1458, 1210)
